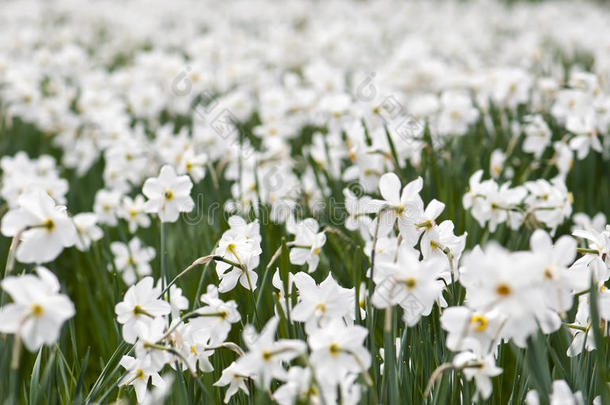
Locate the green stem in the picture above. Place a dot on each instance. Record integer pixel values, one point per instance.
(163, 259)
(389, 368)
(314, 380)
(192, 314)
(584, 250)
(16, 353)
(171, 350)
(244, 269)
(227, 261)
(14, 370)
(202, 260)
(578, 327)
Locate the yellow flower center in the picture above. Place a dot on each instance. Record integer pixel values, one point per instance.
(479, 322)
(426, 224)
(137, 310)
(334, 349)
(410, 282)
(48, 224)
(503, 290)
(169, 194)
(37, 310)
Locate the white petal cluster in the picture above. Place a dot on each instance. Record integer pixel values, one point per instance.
(188, 340)
(540, 201)
(312, 135)
(240, 246)
(38, 310)
(42, 227)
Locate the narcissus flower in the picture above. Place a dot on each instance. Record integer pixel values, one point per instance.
(216, 316)
(457, 113)
(139, 372)
(38, 309)
(582, 335)
(266, 356)
(132, 211)
(358, 208)
(308, 243)
(470, 330)
(44, 227)
(168, 195)
(408, 282)
(132, 260)
(561, 395)
(537, 135)
(176, 300)
(496, 279)
(149, 334)
(87, 229)
(405, 207)
(552, 262)
(596, 263)
(234, 376)
(106, 206)
(140, 304)
(194, 344)
(298, 383)
(440, 241)
(595, 223)
(319, 305)
(481, 368)
(337, 350)
(240, 247)
(192, 164)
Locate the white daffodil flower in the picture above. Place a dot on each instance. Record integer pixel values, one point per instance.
(168, 195)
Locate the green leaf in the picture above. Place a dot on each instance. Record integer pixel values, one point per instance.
(35, 378)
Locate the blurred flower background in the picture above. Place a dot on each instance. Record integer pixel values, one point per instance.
(319, 202)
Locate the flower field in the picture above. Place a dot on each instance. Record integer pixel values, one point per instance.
(304, 202)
